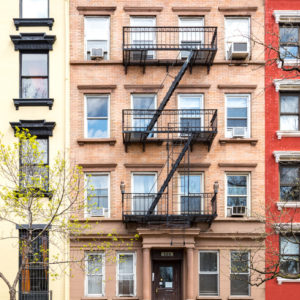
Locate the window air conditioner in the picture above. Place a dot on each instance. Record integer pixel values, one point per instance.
(236, 211)
(238, 50)
(98, 212)
(239, 131)
(96, 53)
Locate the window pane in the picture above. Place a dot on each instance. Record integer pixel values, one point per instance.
(35, 9)
(237, 29)
(34, 64)
(97, 107)
(144, 183)
(289, 104)
(98, 193)
(95, 264)
(166, 277)
(239, 284)
(208, 284)
(236, 102)
(190, 102)
(289, 52)
(208, 261)
(95, 285)
(237, 112)
(289, 193)
(97, 128)
(143, 102)
(289, 245)
(236, 123)
(34, 88)
(236, 201)
(190, 184)
(289, 174)
(96, 28)
(35, 156)
(237, 185)
(239, 262)
(125, 263)
(289, 34)
(289, 122)
(126, 285)
(289, 264)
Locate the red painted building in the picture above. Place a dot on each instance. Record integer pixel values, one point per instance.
(282, 107)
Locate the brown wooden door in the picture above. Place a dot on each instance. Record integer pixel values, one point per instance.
(166, 284)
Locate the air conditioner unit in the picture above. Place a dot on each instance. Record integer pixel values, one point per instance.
(239, 131)
(98, 212)
(96, 53)
(236, 211)
(238, 50)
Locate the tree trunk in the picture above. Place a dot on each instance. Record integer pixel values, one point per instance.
(12, 294)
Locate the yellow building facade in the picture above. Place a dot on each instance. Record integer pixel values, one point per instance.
(34, 92)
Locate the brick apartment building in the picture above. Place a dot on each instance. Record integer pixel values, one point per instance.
(167, 104)
(282, 89)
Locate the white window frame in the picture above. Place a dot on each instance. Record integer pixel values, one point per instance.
(132, 184)
(181, 24)
(108, 35)
(248, 175)
(227, 132)
(209, 272)
(153, 18)
(226, 44)
(86, 96)
(232, 273)
(134, 273)
(201, 96)
(86, 275)
(143, 95)
(179, 187)
(86, 175)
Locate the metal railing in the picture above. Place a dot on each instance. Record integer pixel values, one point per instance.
(190, 207)
(140, 44)
(184, 122)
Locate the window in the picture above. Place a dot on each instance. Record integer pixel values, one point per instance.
(34, 9)
(190, 114)
(239, 276)
(289, 181)
(191, 37)
(95, 277)
(34, 75)
(289, 41)
(98, 194)
(289, 111)
(96, 36)
(190, 194)
(34, 279)
(141, 117)
(237, 116)
(126, 274)
(237, 189)
(141, 38)
(289, 254)
(144, 189)
(97, 116)
(34, 163)
(208, 273)
(237, 30)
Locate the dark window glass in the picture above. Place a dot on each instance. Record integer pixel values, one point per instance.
(34, 75)
(239, 276)
(289, 111)
(34, 252)
(289, 182)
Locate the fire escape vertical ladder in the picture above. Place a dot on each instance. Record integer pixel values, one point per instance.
(168, 94)
(170, 175)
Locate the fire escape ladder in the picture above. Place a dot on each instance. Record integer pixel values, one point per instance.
(169, 94)
(170, 175)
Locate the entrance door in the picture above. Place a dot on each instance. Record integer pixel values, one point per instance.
(166, 284)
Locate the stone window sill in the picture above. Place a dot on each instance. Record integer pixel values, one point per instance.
(126, 298)
(288, 204)
(33, 22)
(224, 141)
(281, 134)
(240, 298)
(33, 102)
(281, 280)
(288, 62)
(94, 298)
(110, 141)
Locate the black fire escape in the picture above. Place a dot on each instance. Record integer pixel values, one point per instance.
(180, 129)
